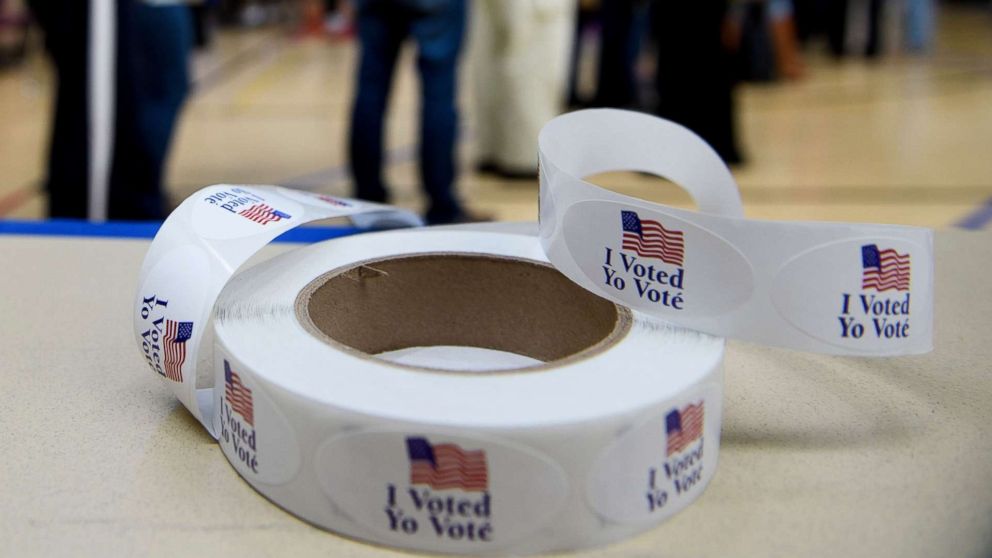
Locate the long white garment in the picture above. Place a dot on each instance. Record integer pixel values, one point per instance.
(520, 52)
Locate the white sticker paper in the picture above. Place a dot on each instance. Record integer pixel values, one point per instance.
(836, 288)
(197, 249)
(440, 491)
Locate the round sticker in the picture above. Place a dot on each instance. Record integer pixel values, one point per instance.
(865, 293)
(661, 465)
(440, 492)
(254, 435)
(168, 320)
(224, 212)
(655, 262)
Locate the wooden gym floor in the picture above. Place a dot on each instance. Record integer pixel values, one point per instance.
(905, 139)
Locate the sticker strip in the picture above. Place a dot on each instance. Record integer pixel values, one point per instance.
(837, 288)
(198, 248)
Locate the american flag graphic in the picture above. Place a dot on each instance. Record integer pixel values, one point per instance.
(884, 269)
(263, 214)
(237, 395)
(684, 427)
(444, 466)
(650, 239)
(176, 336)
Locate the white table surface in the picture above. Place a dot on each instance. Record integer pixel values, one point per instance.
(822, 456)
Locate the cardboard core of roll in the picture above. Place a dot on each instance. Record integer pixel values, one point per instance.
(498, 303)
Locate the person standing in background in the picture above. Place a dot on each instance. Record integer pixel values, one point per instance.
(785, 41)
(754, 26)
(438, 27)
(122, 78)
(624, 25)
(919, 24)
(521, 54)
(694, 78)
(586, 19)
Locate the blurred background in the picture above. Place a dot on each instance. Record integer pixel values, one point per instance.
(847, 110)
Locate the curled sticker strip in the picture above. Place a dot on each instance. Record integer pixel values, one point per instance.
(197, 249)
(838, 288)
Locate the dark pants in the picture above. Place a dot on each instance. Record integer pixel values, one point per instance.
(382, 28)
(695, 78)
(833, 13)
(836, 25)
(623, 27)
(151, 83)
(875, 12)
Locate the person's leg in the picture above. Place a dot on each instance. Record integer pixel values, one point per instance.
(615, 77)
(487, 78)
(788, 61)
(202, 25)
(836, 17)
(153, 80)
(534, 81)
(919, 25)
(380, 36)
(697, 91)
(582, 17)
(875, 13)
(439, 39)
(66, 39)
(640, 24)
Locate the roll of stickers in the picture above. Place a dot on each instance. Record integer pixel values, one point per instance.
(201, 244)
(343, 380)
(835, 288)
(592, 442)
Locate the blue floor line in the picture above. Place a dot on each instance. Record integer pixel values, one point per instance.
(144, 229)
(977, 219)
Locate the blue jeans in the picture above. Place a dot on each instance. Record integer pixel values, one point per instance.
(383, 26)
(153, 45)
(154, 69)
